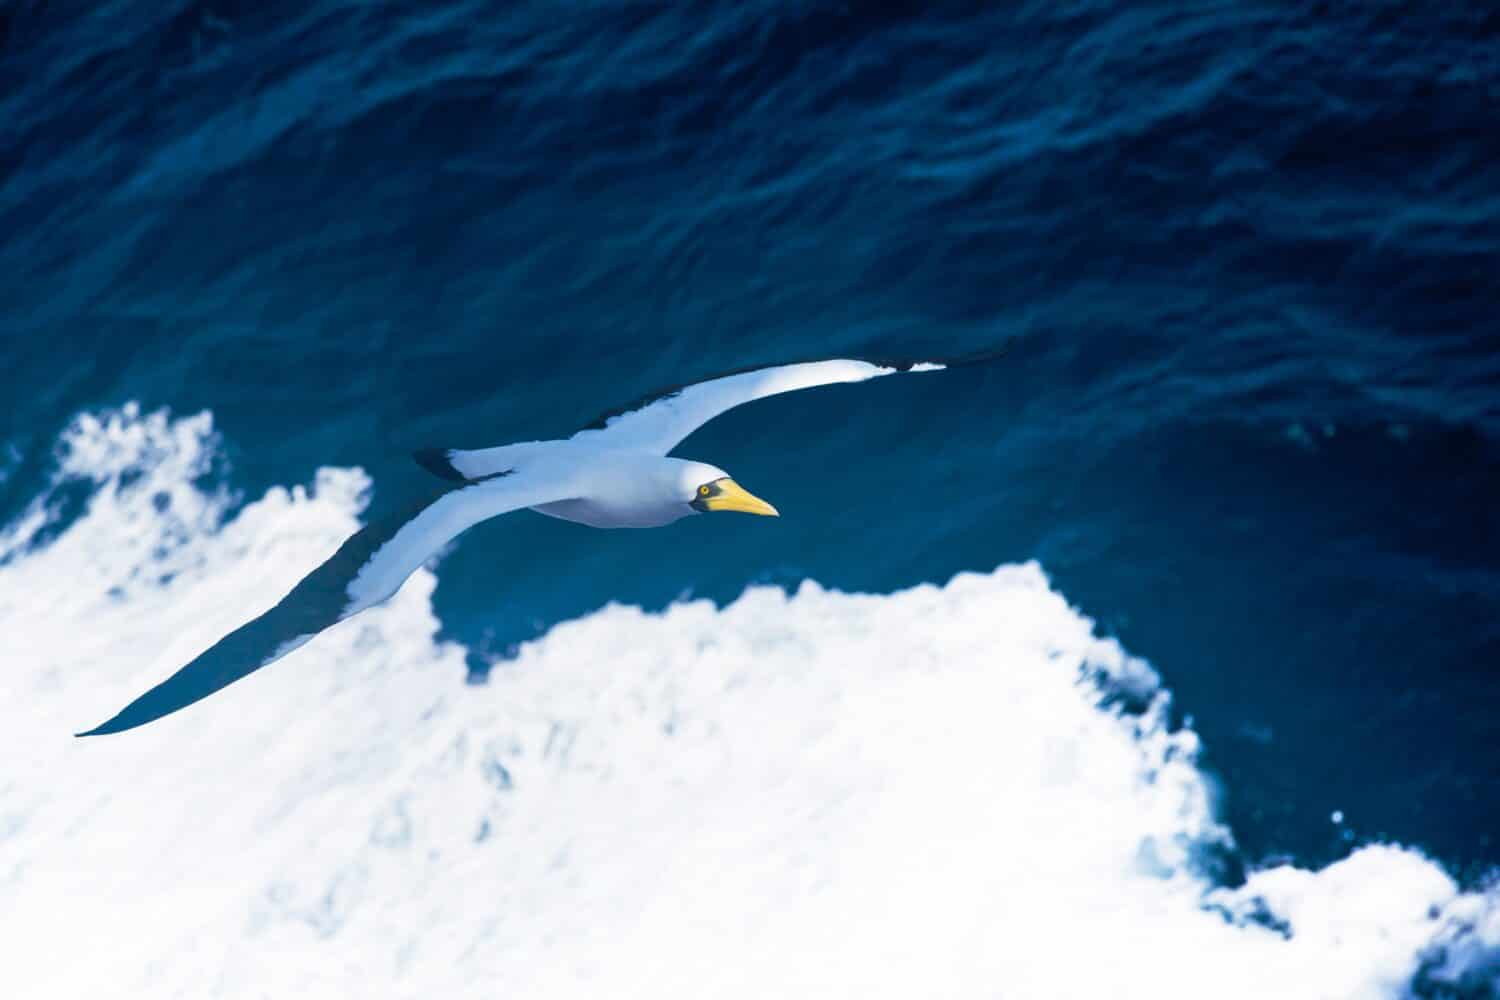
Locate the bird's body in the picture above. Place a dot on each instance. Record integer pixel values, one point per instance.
(614, 474)
(627, 489)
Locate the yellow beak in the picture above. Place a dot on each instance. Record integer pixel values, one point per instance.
(732, 496)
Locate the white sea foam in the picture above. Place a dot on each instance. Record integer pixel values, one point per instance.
(920, 794)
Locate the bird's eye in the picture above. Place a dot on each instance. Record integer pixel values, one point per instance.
(703, 491)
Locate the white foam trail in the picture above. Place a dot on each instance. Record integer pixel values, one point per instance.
(914, 794)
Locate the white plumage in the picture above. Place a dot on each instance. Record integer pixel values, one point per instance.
(612, 475)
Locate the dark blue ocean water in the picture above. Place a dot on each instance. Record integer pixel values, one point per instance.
(1244, 256)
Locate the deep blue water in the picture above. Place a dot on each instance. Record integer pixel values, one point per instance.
(1244, 256)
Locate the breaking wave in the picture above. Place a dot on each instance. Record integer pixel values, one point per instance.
(955, 790)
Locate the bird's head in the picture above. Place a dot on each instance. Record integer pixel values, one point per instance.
(711, 489)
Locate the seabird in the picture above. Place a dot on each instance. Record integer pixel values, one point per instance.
(615, 473)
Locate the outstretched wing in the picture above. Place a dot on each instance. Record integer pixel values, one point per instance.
(660, 423)
(474, 465)
(366, 570)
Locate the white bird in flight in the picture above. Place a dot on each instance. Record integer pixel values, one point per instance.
(613, 474)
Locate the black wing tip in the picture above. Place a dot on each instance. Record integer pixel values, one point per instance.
(437, 462)
(960, 361)
(898, 364)
(119, 722)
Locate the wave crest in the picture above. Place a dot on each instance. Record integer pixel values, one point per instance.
(948, 790)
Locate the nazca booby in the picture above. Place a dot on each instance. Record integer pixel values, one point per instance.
(615, 473)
